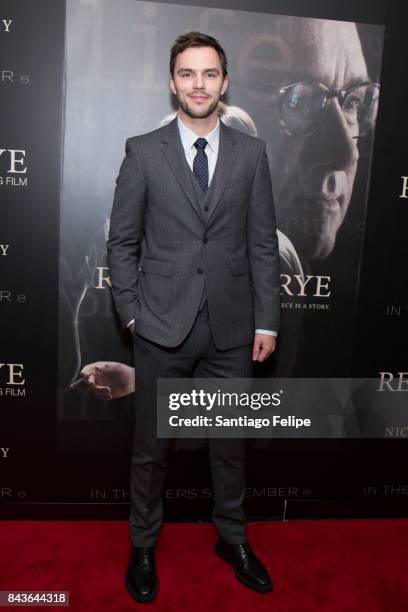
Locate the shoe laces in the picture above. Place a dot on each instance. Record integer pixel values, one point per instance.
(143, 553)
(244, 549)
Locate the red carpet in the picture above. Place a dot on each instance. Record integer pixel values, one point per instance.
(331, 565)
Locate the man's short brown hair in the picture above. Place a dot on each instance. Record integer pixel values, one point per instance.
(196, 39)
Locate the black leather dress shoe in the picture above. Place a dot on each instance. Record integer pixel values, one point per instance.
(141, 579)
(248, 568)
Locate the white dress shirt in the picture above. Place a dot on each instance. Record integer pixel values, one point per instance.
(188, 138)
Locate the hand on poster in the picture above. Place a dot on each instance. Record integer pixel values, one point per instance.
(109, 379)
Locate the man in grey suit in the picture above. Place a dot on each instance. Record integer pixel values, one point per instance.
(194, 265)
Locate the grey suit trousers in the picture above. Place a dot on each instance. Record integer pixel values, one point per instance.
(197, 356)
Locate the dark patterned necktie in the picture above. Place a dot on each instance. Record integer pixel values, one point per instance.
(200, 164)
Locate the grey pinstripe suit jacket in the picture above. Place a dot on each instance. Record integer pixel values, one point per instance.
(162, 246)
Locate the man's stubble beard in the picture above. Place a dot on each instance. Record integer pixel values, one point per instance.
(200, 114)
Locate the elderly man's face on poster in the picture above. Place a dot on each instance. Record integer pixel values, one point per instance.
(320, 105)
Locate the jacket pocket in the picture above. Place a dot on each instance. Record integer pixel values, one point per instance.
(157, 266)
(239, 266)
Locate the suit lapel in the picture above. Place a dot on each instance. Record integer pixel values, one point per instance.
(174, 153)
(225, 163)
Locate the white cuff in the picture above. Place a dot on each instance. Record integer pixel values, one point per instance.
(268, 332)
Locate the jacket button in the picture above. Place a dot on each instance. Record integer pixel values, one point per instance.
(200, 271)
(205, 239)
(206, 208)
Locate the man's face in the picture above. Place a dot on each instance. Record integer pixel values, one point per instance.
(313, 175)
(198, 81)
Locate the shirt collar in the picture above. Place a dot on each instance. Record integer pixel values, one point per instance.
(188, 137)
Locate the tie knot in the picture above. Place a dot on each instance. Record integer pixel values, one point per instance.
(200, 143)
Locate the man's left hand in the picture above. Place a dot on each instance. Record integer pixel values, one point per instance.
(264, 345)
